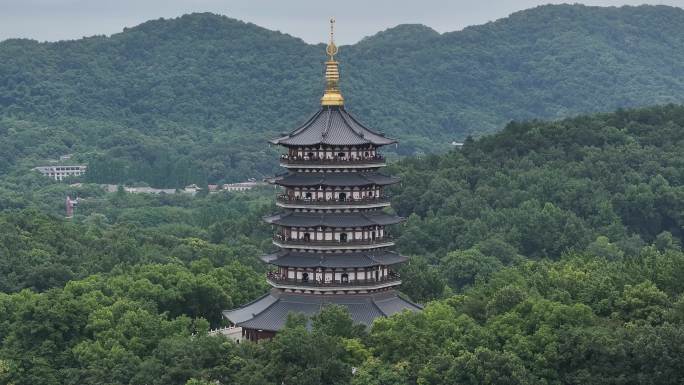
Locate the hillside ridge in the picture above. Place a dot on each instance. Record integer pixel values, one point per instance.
(175, 92)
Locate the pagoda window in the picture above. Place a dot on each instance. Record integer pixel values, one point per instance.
(341, 155)
(343, 196)
(307, 237)
(343, 237)
(345, 278)
(305, 277)
(308, 195)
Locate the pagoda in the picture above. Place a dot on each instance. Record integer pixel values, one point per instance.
(332, 239)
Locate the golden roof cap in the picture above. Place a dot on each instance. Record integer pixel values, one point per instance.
(332, 95)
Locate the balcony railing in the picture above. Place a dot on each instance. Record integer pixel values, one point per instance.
(285, 199)
(277, 279)
(337, 160)
(333, 242)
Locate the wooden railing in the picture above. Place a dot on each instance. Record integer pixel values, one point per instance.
(338, 202)
(275, 278)
(333, 242)
(298, 160)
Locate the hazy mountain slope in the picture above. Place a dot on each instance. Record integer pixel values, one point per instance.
(172, 94)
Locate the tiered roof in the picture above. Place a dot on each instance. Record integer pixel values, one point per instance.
(328, 219)
(334, 260)
(341, 179)
(333, 126)
(270, 312)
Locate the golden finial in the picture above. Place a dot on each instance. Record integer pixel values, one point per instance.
(332, 95)
(331, 49)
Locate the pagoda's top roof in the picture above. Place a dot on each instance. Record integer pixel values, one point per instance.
(334, 126)
(343, 179)
(327, 219)
(270, 311)
(334, 260)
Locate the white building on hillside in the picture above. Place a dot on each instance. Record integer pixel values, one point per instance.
(61, 172)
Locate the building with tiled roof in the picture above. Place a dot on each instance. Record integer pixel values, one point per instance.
(332, 239)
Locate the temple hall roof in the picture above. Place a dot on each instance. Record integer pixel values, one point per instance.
(328, 219)
(334, 126)
(270, 311)
(342, 179)
(334, 260)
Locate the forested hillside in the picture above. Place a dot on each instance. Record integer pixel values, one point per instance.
(548, 253)
(192, 99)
(606, 185)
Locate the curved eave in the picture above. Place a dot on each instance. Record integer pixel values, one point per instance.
(333, 260)
(339, 220)
(270, 312)
(333, 289)
(333, 246)
(283, 141)
(333, 126)
(334, 179)
(337, 206)
(338, 166)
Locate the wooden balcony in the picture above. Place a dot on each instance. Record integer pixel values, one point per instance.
(276, 280)
(336, 162)
(351, 244)
(286, 201)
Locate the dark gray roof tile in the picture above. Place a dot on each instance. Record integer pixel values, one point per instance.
(334, 260)
(363, 308)
(341, 179)
(333, 126)
(328, 219)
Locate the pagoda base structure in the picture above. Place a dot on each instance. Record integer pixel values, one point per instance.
(265, 316)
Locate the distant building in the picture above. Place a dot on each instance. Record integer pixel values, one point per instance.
(61, 172)
(149, 190)
(70, 206)
(457, 144)
(189, 189)
(242, 186)
(65, 157)
(139, 190)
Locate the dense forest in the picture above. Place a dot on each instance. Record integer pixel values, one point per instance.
(607, 184)
(547, 253)
(193, 99)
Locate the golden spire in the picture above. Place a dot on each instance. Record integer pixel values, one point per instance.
(332, 95)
